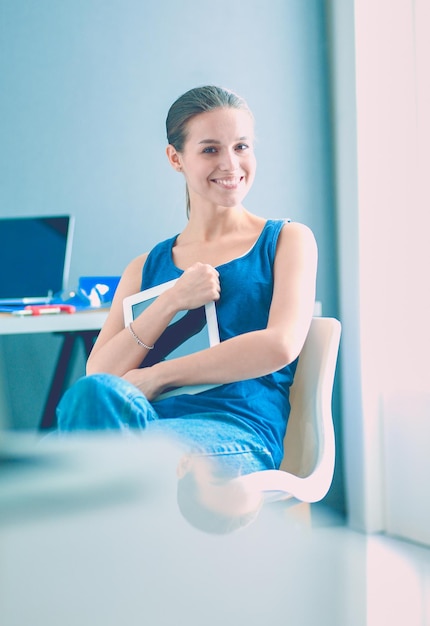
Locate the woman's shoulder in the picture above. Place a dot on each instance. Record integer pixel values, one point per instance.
(132, 276)
(284, 232)
(296, 240)
(136, 264)
(297, 231)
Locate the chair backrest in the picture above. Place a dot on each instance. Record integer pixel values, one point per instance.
(309, 448)
(306, 471)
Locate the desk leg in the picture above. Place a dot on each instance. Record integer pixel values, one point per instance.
(49, 419)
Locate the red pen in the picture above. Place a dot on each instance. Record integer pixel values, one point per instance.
(44, 309)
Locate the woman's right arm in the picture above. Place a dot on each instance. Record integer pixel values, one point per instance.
(116, 351)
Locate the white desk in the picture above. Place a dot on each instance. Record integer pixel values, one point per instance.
(81, 326)
(53, 323)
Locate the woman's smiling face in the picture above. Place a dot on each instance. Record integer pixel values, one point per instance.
(218, 159)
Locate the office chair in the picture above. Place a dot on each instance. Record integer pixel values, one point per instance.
(306, 472)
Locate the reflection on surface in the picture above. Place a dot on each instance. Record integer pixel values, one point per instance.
(93, 535)
(212, 503)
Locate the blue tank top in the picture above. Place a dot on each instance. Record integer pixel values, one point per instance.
(246, 294)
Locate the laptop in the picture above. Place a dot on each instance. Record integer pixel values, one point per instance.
(35, 255)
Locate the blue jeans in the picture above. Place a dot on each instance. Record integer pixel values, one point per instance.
(107, 402)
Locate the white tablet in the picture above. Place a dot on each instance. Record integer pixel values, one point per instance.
(188, 332)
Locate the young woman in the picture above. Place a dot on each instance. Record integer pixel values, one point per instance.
(260, 273)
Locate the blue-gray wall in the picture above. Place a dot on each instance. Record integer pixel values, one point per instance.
(84, 90)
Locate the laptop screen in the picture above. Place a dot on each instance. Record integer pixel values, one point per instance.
(34, 256)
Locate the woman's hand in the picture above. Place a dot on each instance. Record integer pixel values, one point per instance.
(198, 285)
(146, 380)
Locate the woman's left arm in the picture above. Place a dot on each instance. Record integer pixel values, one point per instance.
(259, 352)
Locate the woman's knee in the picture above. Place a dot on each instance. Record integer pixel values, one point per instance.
(103, 401)
(83, 402)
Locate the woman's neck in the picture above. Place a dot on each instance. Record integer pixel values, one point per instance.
(218, 241)
(206, 226)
